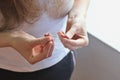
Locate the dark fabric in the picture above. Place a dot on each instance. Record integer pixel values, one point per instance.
(60, 71)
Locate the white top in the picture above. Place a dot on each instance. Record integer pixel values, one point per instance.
(10, 59)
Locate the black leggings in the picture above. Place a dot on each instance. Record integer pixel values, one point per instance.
(60, 71)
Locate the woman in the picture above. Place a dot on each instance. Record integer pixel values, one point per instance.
(33, 42)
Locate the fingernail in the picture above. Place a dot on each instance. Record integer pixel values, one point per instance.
(47, 34)
(61, 32)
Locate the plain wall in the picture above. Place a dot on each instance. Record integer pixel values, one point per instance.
(97, 61)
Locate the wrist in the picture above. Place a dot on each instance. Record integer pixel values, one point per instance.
(77, 13)
(80, 8)
(76, 17)
(14, 36)
(6, 39)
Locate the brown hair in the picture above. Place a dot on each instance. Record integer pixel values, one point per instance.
(15, 12)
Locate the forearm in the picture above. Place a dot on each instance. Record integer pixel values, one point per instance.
(5, 39)
(77, 19)
(80, 7)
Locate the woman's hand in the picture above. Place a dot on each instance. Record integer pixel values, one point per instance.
(76, 34)
(31, 48)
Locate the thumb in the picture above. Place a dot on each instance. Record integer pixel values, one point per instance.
(71, 32)
(40, 41)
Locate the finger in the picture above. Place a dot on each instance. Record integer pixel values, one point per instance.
(61, 33)
(48, 49)
(71, 32)
(71, 45)
(47, 34)
(62, 40)
(37, 55)
(61, 37)
(65, 44)
(36, 50)
(74, 44)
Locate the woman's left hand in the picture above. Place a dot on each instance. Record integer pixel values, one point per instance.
(76, 33)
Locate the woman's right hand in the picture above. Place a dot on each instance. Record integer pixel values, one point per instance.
(31, 48)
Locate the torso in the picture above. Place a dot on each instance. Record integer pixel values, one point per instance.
(53, 19)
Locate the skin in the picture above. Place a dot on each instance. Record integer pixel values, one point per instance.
(37, 49)
(34, 50)
(76, 33)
